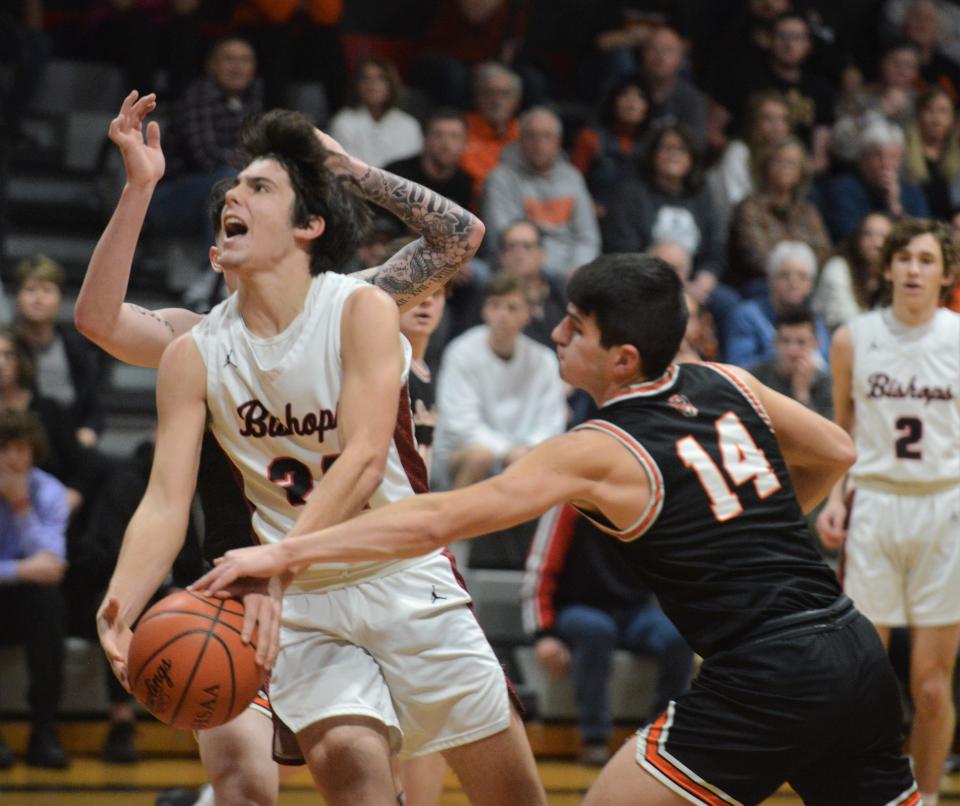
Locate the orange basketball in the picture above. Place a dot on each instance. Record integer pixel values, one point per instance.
(187, 664)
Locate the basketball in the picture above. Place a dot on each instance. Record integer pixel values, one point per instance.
(187, 664)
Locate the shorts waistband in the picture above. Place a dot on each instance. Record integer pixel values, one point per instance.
(904, 487)
(837, 615)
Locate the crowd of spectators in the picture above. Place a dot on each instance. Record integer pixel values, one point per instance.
(763, 148)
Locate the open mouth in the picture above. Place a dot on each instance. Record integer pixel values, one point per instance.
(233, 227)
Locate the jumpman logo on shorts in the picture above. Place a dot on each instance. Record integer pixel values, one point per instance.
(434, 595)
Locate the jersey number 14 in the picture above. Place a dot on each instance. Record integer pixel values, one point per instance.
(743, 461)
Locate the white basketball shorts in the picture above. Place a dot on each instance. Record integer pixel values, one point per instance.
(403, 649)
(902, 557)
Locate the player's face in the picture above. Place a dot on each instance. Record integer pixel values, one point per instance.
(39, 300)
(582, 358)
(257, 218)
(424, 319)
(916, 272)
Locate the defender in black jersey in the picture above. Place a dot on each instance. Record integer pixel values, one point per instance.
(702, 475)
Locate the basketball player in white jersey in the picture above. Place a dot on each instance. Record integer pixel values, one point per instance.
(237, 755)
(298, 368)
(896, 388)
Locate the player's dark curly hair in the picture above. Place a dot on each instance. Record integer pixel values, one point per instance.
(636, 299)
(288, 137)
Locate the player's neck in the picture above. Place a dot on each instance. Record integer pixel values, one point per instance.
(913, 315)
(269, 301)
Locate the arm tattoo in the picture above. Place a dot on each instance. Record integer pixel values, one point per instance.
(449, 235)
(152, 315)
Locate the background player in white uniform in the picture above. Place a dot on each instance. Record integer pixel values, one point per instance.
(236, 755)
(431, 673)
(896, 388)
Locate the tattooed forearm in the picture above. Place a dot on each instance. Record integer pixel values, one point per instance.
(152, 315)
(450, 235)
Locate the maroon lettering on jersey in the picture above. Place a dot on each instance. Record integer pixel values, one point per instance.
(882, 385)
(258, 422)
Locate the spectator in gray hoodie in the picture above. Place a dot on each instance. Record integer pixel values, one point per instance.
(535, 181)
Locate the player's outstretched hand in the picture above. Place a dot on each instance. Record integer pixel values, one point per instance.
(257, 561)
(831, 524)
(142, 156)
(115, 638)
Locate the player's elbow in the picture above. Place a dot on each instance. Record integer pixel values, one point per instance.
(842, 453)
(88, 325)
(475, 232)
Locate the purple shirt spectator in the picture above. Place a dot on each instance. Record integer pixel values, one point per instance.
(42, 527)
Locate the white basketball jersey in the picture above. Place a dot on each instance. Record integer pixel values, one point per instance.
(906, 392)
(274, 405)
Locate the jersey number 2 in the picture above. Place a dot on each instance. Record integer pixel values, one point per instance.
(907, 446)
(743, 461)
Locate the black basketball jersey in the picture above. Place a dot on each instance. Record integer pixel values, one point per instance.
(723, 543)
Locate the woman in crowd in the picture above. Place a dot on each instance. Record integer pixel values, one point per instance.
(767, 122)
(667, 201)
(851, 281)
(932, 158)
(776, 211)
(609, 150)
(373, 127)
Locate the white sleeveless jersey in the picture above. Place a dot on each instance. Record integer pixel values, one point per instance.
(906, 392)
(274, 405)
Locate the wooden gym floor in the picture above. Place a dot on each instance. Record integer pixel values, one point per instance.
(170, 760)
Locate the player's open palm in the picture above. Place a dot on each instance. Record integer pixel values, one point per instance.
(142, 156)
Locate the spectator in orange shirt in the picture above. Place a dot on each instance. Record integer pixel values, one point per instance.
(497, 92)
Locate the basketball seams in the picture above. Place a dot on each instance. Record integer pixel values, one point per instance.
(212, 618)
(203, 667)
(196, 664)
